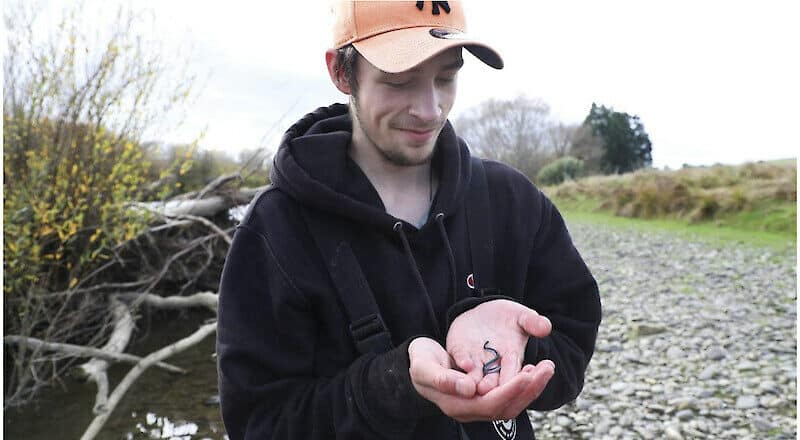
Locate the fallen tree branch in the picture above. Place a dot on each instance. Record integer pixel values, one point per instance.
(151, 359)
(202, 299)
(207, 207)
(95, 369)
(83, 351)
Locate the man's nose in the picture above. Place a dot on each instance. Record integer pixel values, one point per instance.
(425, 104)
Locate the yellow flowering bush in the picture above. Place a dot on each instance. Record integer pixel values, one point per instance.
(74, 112)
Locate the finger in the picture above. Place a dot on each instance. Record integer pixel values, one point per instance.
(532, 374)
(476, 374)
(488, 382)
(479, 407)
(539, 376)
(444, 380)
(468, 364)
(503, 402)
(463, 360)
(534, 324)
(510, 365)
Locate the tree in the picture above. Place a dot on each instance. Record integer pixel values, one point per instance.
(561, 137)
(587, 147)
(76, 103)
(517, 132)
(626, 145)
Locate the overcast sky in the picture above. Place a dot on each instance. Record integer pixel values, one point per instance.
(712, 81)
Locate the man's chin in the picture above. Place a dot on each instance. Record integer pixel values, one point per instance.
(409, 160)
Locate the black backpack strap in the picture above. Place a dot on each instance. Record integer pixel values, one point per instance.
(367, 328)
(479, 225)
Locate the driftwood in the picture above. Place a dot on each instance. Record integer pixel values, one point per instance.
(206, 207)
(95, 369)
(82, 351)
(201, 299)
(151, 359)
(174, 264)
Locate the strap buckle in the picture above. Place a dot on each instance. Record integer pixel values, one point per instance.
(370, 334)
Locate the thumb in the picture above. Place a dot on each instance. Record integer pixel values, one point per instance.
(534, 324)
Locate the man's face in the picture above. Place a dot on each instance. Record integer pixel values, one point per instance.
(401, 114)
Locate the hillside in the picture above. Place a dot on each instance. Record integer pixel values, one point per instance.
(754, 197)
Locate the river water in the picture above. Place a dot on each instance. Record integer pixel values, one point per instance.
(159, 405)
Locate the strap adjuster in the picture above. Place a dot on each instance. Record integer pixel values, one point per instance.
(370, 334)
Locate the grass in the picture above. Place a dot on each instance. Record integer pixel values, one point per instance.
(708, 232)
(751, 204)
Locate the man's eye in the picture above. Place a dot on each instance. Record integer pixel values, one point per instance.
(446, 80)
(397, 85)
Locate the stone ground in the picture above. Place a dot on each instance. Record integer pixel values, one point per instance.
(698, 341)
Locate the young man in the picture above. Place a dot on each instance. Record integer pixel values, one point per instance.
(389, 286)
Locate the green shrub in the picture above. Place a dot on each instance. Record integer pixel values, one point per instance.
(565, 168)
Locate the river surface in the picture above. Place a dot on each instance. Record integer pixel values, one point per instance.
(159, 405)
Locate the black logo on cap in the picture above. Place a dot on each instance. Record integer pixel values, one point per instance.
(436, 6)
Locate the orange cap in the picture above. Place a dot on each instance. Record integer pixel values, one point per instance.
(395, 36)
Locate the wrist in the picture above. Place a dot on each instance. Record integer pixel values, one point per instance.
(395, 391)
(470, 303)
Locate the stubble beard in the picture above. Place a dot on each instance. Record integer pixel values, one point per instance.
(396, 158)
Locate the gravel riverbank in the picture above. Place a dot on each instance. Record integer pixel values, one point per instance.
(697, 341)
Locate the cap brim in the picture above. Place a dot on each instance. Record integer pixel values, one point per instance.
(404, 49)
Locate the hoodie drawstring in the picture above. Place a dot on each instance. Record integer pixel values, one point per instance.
(451, 259)
(398, 228)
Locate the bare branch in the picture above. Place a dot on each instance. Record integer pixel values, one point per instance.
(218, 183)
(95, 369)
(83, 351)
(151, 359)
(203, 299)
(209, 224)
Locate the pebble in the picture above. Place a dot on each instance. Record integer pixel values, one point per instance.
(746, 402)
(618, 387)
(675, 353)
(708, 373)
(716, 353)
(769, 387)
(673, 433)
(684, 414)
(697, 341)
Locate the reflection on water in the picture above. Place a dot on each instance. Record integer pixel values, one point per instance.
(160, 405)
(155, 427)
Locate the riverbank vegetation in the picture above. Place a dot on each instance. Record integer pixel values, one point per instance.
(753, 201)
(99, 225)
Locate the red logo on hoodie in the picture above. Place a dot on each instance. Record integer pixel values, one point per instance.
(470, 281)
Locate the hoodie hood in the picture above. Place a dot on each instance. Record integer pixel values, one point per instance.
(313, 166)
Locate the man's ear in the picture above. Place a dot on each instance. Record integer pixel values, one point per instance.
(336, 74)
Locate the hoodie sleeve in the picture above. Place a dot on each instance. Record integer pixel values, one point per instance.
(266, 342)
(560, 287)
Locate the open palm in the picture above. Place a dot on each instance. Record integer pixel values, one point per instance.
(506, 325)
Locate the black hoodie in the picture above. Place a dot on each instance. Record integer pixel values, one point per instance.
(288, 367)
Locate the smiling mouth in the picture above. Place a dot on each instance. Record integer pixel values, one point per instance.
(417, 136)
(419, 132)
